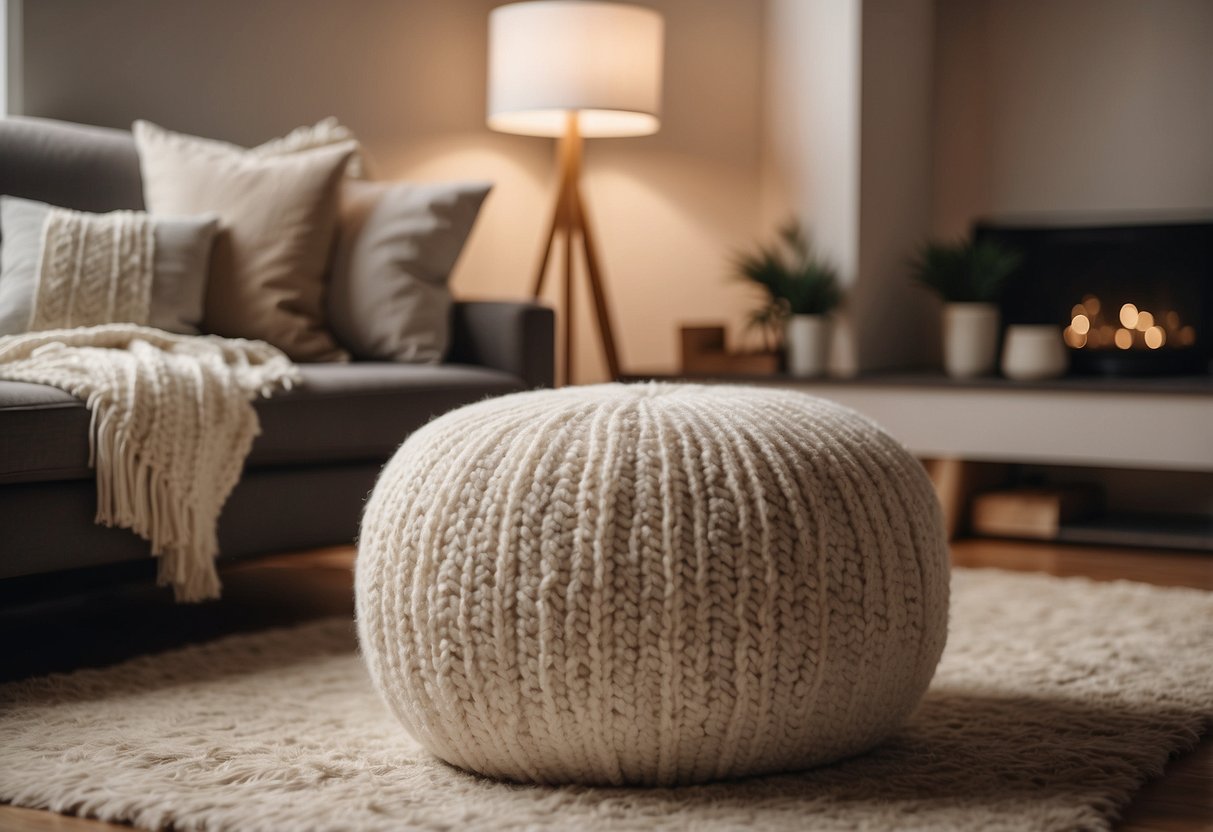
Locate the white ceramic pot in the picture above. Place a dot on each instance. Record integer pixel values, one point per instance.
(807, 339)
(1034, 352)
(970, 339)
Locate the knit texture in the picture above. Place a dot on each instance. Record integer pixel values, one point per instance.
(651, 584)
(94, 269)
(172, 424)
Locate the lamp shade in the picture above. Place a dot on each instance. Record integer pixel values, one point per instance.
(548, 58)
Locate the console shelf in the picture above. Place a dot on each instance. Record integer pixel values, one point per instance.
(1150, 423)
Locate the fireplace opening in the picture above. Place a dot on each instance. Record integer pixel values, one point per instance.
(1130, 300)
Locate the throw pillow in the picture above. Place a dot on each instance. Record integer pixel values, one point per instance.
(179, 256)
(397, 243)
(324, 133)
(277, 216)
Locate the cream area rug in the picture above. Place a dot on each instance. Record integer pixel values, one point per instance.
(1054, 701)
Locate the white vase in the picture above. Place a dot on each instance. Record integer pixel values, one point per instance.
(1032, 353)
(807, 339)
(970, 339)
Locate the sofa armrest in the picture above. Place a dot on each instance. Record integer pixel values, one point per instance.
(517, 337)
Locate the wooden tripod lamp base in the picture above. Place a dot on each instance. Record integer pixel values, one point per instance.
(571, 224)
(568, 69)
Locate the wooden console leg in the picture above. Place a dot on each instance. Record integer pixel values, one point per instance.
(956, 481)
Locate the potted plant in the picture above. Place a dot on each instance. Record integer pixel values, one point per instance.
(800, 291)
(968, 277)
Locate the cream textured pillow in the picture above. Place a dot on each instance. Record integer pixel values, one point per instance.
(397, 243)
(102, 253)
(277, 219)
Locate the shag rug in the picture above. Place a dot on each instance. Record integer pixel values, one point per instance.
(1055, 699)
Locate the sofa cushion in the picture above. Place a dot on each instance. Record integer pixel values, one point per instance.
(363, 411)
(341, 413)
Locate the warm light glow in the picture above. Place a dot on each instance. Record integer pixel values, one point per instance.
(549, 58)
(592, 123)
(1091, 330)
(1075, 339)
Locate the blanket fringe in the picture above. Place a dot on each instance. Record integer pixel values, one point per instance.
(171, 425)
(132, 494)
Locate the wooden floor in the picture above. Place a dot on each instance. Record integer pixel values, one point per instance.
(98, 627)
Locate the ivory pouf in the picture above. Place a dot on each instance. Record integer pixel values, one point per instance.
(651, 584)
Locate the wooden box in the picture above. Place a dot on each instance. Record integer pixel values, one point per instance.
(705, 353)
(1036, 513)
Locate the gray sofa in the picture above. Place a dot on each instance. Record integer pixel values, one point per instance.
(321, 446)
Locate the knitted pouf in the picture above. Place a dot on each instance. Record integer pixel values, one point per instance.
(651, 584)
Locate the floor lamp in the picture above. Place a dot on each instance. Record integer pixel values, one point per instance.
(575, 69)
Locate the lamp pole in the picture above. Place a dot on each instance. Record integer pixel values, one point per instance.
(571, 222)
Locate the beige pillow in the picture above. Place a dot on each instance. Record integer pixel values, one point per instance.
(327, 131)
(277, 218)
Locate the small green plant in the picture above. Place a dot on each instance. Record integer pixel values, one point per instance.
(965, 271)
(794, 280)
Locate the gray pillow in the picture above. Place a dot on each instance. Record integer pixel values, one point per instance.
(179, 266)
(397, 243)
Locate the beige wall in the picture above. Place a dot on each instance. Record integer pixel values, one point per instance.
(409, 79)
(895, 320)
(1072, 106)
(4, 60)
(847, 147)
(810, 164)
(811, 131)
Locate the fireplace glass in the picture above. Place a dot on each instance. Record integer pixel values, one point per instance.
(1131, 300)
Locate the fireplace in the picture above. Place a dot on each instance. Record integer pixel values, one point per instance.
(1131, 300)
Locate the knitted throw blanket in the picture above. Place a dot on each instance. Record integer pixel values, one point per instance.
(172, 423)
(94, 269)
